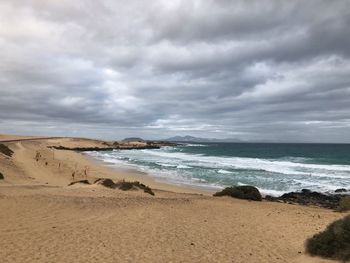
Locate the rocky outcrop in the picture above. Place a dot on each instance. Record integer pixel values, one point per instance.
(82, 149)
(308, 197)
(341, 190)
(109, 146)
(242, 192)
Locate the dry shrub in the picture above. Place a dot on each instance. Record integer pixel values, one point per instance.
(334, 242)
(344, 204)
(5, 150)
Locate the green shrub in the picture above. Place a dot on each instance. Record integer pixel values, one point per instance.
(332, 243)
(242, 192)
(344, 204)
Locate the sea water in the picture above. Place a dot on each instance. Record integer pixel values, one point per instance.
(271, 167)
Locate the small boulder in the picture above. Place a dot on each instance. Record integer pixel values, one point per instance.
(2, 176)
(305, 191)
(340, 190)
(242, 192)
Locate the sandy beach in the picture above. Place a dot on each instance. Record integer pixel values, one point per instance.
(43, 219)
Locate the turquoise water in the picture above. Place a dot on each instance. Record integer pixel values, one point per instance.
(273, 168)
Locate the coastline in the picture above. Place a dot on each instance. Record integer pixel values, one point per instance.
(47, 220)
(132, 174)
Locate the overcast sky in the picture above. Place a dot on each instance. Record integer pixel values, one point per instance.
(251, 70)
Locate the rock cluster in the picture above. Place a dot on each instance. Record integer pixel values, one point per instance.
(308, 197)
(242, 192)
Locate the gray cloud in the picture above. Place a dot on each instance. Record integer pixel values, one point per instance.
(272, 70)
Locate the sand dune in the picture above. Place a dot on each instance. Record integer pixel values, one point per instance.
(44, 220)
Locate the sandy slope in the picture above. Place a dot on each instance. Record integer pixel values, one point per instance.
(44, 220)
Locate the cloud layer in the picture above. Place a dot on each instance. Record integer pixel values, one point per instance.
(252, 70)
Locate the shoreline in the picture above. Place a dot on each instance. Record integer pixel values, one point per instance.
(47, 220)
(136, 175)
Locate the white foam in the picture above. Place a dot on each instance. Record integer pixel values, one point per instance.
(275, 166)
(275, 193)
(165, 164)
(181, 166)
(289, 174)
(222, 171)
(195, 145)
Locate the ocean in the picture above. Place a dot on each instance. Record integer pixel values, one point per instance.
(272, 167)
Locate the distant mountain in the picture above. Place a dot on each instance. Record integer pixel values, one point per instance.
(197, 139)
(133, 139)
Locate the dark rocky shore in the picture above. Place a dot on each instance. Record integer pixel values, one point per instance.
(340, 200)
(118, 146)
(308, 197)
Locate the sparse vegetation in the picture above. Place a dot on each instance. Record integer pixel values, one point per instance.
(124, 185)
(242, 192)
(344, 204)
(332, 243)
(105, 182)
(5, 150)
(79, 182)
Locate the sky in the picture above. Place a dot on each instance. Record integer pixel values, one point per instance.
(249, 70)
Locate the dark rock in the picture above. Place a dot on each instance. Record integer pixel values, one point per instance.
(307, 197)
(2, 176)
(242, 192)
(83, 149)
(79, 182)
(340, 190)
(305, 191)
(270, 198)
(5, 150)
